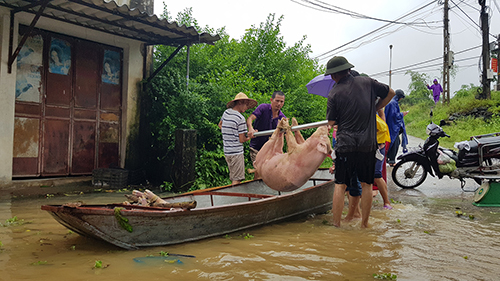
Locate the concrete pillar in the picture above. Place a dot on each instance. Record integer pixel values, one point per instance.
(185, 159)
(7, 101)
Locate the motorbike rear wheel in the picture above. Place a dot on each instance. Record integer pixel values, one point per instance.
(408, 174)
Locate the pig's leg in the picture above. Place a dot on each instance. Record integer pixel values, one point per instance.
(278, 135)
(272, 147)
(298, 136)
(291, 139)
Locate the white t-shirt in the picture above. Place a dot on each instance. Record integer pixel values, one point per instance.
(233, 124)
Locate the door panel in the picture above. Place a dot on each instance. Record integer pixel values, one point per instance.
(59, 78)
(87, 61)
(83, 158)
(108, 144)
(26, 146)
(55, 151)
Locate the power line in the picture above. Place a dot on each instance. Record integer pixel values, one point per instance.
(431, 67)
(373, 31)
(405, 68)
(496, 4)
(465, 14)
(336, 9)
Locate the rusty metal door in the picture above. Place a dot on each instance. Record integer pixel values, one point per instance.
(57, 102)
(28, 108)
(110, 108)
(68, 112)
(87, 60)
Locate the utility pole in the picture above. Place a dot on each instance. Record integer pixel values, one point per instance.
(446, 65)
(390, 65)
(486, 51)
(498, 60)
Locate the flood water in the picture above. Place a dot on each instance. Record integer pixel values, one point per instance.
(422, 238)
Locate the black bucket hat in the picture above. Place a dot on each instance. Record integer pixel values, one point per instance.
(337, 64)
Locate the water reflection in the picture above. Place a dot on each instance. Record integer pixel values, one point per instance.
(420, 239)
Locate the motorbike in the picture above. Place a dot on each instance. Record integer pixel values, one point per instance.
(478, 159)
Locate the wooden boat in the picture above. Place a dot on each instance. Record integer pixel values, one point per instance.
(219, 211)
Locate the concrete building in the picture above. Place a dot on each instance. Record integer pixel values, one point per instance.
(70, 73)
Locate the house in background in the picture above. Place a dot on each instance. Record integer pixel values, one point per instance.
(70, 73)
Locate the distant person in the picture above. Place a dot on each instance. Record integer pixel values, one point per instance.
(234, 134)
(265, 117)
(352, 104)
(396, 124)
(436, 90)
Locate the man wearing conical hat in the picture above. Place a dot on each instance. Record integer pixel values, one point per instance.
(234, 133)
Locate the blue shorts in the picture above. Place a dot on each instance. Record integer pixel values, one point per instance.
(354, 187)
(349, 165)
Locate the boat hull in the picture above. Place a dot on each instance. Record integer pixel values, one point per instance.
(219, 211)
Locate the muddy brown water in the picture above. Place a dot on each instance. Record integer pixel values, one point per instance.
(422, 238)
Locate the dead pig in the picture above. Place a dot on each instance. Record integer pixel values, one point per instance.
(289, 171)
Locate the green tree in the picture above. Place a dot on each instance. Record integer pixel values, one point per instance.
(257, 64)
(418, 92)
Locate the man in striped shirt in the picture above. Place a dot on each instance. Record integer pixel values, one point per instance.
(234, 134)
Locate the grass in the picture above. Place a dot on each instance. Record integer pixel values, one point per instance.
(459, 130)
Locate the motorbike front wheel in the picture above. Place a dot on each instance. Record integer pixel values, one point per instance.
(408, 174)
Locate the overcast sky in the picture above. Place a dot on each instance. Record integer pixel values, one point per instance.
(327, 30)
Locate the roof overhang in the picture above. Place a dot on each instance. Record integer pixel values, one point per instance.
(108, 17)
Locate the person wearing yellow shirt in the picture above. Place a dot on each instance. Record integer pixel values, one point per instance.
(383, 137)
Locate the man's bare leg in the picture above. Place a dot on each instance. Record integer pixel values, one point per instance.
(338, 203)
(382, 187)
(354, 211)
(366, 203)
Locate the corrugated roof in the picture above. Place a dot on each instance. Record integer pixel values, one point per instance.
(107, 16)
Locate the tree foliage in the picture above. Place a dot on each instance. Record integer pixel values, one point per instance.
(418, 92)
(258, 64)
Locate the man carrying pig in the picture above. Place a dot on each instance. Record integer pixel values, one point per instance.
(265, 117)
(352, 104)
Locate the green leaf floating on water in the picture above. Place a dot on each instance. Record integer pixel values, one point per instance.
(123, 221)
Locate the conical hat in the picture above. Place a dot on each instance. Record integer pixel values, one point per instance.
(241, 96)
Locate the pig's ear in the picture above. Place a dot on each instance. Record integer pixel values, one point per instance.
(322, 147)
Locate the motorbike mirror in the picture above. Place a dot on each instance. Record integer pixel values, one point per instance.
(430, 114)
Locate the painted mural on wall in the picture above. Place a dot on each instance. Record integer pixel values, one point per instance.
(29, 67)
(111, 67)
(59, 56)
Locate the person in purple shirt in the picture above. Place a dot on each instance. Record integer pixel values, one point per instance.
(265, 117)
(436, 90)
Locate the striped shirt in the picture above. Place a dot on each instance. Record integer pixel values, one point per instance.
(233, 124)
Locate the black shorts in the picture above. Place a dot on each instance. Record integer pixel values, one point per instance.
(351, 164)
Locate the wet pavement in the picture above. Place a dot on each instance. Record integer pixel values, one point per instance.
(433, 187)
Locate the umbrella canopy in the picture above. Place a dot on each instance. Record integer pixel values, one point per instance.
(320, 85)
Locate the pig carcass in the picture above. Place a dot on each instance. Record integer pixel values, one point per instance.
(289, 171)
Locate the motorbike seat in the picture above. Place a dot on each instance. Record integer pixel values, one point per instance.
(490, 147)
